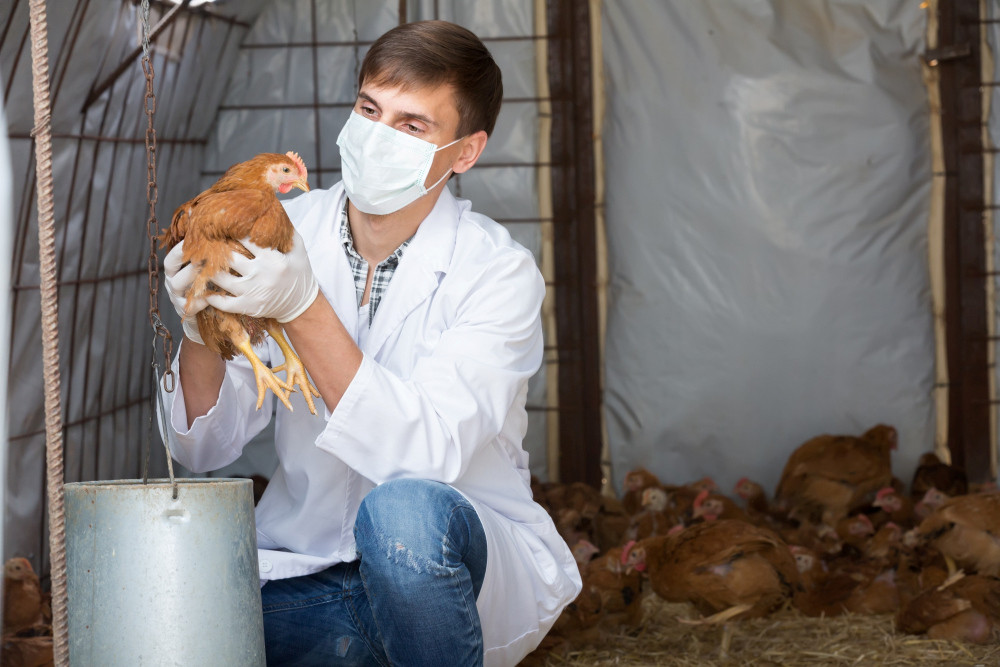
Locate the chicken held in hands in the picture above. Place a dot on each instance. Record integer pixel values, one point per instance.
(242, 204)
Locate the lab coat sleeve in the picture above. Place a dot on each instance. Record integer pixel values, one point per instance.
(459, 395)
(216, 438)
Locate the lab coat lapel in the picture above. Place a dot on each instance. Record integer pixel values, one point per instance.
(418, 275)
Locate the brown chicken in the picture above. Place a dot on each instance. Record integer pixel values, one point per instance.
(726, 568)
(964, 608)
(22, 596)
(966, 530)
(708, 506)
(829, 476)
(637, 480)
(618, 586)
(932, 472)
(241, 204)
(895, 507)
(655, 518)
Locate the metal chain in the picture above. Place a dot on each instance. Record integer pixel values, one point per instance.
(152, 227)
(152, 194)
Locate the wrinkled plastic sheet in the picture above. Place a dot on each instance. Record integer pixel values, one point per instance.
(768, 174)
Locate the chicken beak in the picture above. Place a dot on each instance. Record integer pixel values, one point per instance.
(301, 184)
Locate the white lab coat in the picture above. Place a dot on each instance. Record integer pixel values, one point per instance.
(439, 395)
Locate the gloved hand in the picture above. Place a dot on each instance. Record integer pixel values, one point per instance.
(177, 282)
(271, 284)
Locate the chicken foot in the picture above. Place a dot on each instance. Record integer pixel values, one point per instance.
(266, 379)
(295, 371)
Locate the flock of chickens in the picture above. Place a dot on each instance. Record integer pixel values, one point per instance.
(841, 535)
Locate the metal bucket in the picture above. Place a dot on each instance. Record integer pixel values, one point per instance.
(157, 581)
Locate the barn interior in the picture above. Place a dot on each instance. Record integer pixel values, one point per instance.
(759, 222)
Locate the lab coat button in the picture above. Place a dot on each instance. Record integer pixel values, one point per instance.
(265, 566)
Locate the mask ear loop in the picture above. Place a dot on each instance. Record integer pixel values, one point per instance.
(447, 173)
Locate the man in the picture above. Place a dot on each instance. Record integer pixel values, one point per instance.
(399, 526)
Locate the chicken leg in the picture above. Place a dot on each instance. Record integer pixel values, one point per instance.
(266, 379)
(295, 371)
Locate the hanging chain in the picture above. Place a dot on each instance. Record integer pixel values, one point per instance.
(152, 227)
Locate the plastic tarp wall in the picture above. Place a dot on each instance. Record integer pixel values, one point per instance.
(768, 176)
(280, 83)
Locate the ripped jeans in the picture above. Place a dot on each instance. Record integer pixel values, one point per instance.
(410, 598)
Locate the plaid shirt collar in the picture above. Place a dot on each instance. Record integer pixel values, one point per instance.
(359, 267)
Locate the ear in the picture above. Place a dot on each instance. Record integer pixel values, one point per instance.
(472, 148)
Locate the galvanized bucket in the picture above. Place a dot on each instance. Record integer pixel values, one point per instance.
(156, 581)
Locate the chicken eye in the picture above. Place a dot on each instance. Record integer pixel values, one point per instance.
(285, 169)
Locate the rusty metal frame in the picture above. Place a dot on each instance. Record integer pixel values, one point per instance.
(967, 328)
(573, 196)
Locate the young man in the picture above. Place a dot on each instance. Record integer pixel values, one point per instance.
(399, 526)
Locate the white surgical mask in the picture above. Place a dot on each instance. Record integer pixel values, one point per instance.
(384, 169)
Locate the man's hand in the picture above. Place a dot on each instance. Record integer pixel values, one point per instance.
(270, 284)
(178, 283)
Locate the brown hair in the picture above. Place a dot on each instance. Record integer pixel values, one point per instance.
(432, 53)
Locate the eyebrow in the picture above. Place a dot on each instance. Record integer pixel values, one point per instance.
(410, 115)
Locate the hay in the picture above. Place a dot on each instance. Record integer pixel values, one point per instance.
(783, 639)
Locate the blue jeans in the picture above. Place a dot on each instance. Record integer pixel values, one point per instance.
(409, 599)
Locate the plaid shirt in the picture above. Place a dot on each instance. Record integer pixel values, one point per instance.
(359, 267)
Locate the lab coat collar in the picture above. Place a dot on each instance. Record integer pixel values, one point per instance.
(416, 278)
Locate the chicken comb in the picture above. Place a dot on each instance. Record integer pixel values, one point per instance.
(626, 550)
(298, 162)
(884, 491)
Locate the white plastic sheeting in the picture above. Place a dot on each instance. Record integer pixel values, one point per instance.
(768, 175)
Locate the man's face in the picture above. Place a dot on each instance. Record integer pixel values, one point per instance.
(426, 113)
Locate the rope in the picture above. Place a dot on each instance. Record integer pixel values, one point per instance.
(42, 133)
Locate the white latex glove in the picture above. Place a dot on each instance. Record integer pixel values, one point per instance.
(272, 284)
(177, 282)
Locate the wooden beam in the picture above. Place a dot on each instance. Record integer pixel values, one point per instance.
(574, 224)
(966, 311)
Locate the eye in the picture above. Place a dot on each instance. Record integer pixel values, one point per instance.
(286, 170)
(368, 110)
(412, 129)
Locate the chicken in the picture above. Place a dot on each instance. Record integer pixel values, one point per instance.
(241, 204)
(758, 506)
(637, 480)
(850, 590)
(18, 651)
(855, 530)
(829, 476)
(966, 530)
(932, 500)
(22, 596)
(963, 608)
(656, 517)
(932, 472)
(895, 506)
(726, 568)
(708, 506)
(618, 586)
